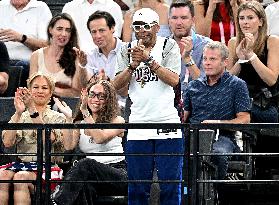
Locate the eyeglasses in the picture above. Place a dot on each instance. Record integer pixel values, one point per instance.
(146, 27)
(100, 96)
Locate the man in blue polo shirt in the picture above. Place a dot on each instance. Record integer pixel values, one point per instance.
(218, 98)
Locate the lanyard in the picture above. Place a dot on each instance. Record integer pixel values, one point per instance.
(222, 33)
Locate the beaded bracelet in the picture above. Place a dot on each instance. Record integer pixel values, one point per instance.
(130, 69)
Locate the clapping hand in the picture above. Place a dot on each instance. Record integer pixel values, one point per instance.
(245, 47)
(81, 55)
(138, 54)
(25, 97)
(18, 102)
(63, 107)
(213, 3)
(84, 100)
(187, 44)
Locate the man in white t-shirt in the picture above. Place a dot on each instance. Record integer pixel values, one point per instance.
(23, 27)
(80, 10)
(149, 69)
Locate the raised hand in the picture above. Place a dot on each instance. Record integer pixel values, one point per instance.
(102, 74)
(26, 97)
(63, 107)
(249, 44)
(81, 55)
(240, 50)
(213, 3)
(187, 45)
(18, 102)
(245, 48)
(84, 100)
(138, 54)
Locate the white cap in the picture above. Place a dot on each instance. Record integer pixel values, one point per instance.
(146, 15)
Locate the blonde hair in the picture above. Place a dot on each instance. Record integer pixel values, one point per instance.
(50, 80)
(256, 7)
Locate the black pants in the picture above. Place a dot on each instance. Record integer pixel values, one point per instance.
(85, 193)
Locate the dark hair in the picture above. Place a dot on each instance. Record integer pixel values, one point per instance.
(216, 15)
(179, 4)
(102, 15)
(68, 57)
(110, 109)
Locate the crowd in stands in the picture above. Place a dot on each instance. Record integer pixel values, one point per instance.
(148, 61)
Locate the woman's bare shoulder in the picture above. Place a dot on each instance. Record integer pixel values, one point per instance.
(118, 119)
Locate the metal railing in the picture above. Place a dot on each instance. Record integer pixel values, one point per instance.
(190, 181)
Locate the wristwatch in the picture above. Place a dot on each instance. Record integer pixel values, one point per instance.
(23, 39)
(34, 115)
(190, 63)
(148, 61)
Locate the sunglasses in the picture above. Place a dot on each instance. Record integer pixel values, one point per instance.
(100, 96)
(146, 27)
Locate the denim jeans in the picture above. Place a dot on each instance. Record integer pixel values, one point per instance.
(90, 169)
(224, 144)
(141, 168)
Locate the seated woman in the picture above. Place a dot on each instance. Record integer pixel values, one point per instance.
(98, 105)
(254, 58)
(215, 19)
(31, 107)
(61, 59)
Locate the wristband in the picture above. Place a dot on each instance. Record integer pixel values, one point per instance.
(148, 61)
(240, 61)
(253, 57)
(34, 115)
(23, 39)
(130, 69)
(190, 63)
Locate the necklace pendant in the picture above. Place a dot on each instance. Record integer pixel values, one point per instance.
(142, 83)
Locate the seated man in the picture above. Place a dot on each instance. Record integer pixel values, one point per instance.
(23, 30)
(218, 98)
(4, 64)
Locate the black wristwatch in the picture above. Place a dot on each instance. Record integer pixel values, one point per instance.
(23, 39)
(148, 61)
(34, 115)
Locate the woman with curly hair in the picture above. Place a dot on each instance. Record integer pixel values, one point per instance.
(61, 59)
(98, 105)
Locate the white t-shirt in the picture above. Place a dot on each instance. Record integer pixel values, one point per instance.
(31, 21)
(87, 145)
(272, 15)
(153, 103)
(80, 10)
